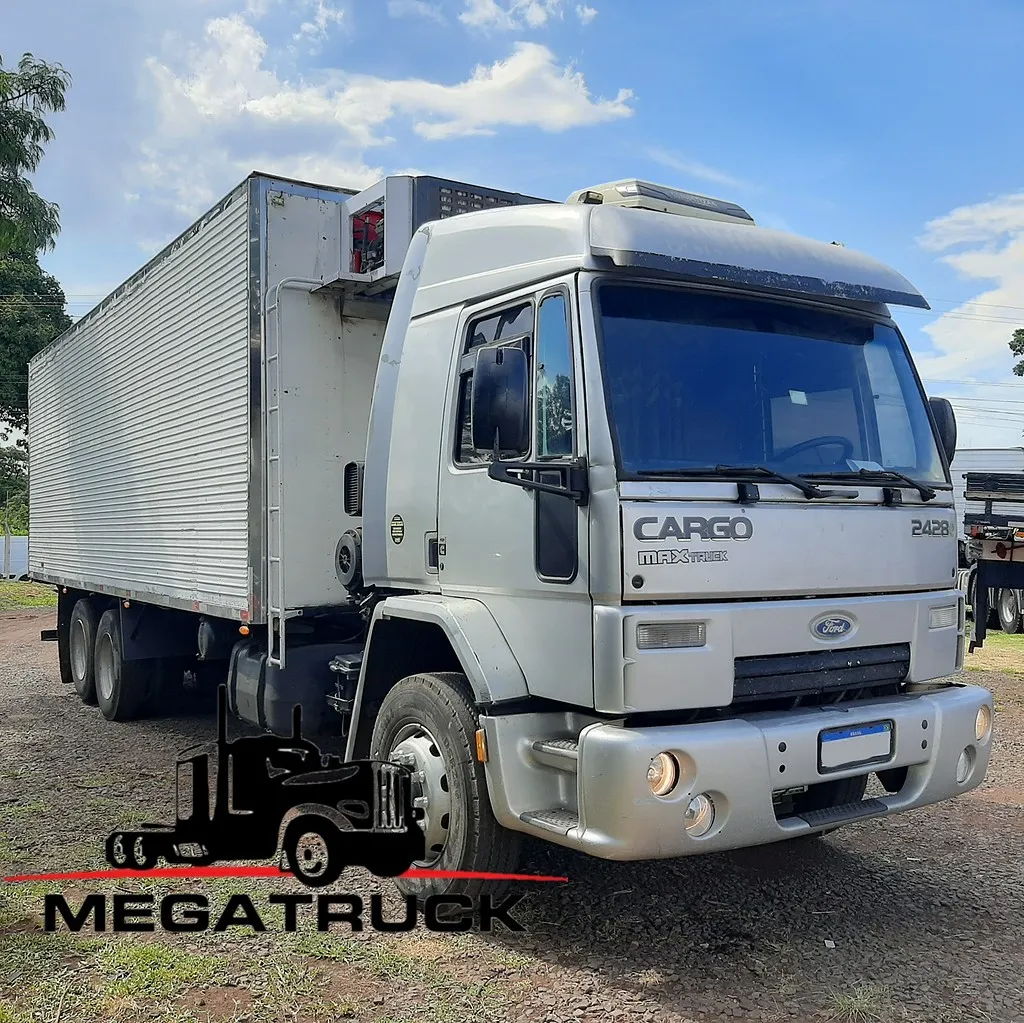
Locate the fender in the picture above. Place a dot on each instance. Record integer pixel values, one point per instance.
(483, 652)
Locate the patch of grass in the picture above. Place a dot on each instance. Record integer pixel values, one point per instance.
(382, 958)
(865, 1004)
(15, 596)
(1001, 653)
(149, 970)
(9, 1014)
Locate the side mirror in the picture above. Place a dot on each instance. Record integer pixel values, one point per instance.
(501, 400)
(945, 422)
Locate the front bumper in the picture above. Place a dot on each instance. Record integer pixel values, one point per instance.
(741, 762)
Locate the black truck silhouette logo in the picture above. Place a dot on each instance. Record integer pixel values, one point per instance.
(280, 796)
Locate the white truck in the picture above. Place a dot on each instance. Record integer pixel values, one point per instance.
(622, 522)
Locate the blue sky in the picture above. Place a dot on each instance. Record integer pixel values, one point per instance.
(895, 128)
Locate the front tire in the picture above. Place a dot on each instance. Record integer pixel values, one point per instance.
(1009, 611)
(429, 723)
(121, 686)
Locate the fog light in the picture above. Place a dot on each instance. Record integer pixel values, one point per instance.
(964, 765)
(670, 635)
(983, 723)
(663, 774)
(700, 816)
(943, 617)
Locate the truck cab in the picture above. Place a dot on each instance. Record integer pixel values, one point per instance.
(684, 517)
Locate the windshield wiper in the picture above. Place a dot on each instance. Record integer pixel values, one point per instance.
(926, 492)
(738, 472)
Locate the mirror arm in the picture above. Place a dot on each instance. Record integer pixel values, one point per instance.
(574, 475)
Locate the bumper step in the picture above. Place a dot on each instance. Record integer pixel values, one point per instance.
(562, 754)
(845, 813)
(559, 821)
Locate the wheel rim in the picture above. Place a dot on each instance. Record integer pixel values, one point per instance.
(312, 856)
(79, 650)
(1007, 606)
(414, 747)
(104, 668)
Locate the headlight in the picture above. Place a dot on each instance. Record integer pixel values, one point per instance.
(663, 774)
(983, 723)
(700, 816)
(670, 635)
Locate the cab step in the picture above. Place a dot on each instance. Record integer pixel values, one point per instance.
(559, 821)
(845, 813)
(562, 754)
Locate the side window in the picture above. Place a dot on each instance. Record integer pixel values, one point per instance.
(554, 413)
(895, 430)
(513, 327)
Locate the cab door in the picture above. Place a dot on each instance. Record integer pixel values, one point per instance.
(522, 551)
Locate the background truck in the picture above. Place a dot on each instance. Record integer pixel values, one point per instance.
(1006, 604)
(994, 522)
(620, 522)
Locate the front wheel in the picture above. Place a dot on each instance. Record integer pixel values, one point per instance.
(1009, 611)
(428, 723)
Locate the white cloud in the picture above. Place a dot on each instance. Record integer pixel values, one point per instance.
(419, 8)
(225, 109)
(694, 168)
(983, 242)
(489, 14)
(227, 82)
(324, 16)
(585, 14)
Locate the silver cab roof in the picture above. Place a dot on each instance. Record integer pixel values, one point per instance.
(477, 254)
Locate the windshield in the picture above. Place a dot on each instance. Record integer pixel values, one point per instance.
(702, 380)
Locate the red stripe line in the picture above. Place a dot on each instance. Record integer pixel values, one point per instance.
(97, 875)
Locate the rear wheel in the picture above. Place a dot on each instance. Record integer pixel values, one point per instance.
(428, 723)
(121, 686)
(81, 649)
(1009, 611)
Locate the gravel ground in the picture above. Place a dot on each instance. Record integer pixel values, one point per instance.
(916, 918)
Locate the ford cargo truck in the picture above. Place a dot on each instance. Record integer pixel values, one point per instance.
(621, 522)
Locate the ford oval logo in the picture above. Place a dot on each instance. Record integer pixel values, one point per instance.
(832, 627)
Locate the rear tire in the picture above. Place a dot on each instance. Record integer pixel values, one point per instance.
(1009, 611)
(81, 649)
(442, 707)
(121, 686)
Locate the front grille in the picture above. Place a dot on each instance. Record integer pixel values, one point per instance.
(830, 674)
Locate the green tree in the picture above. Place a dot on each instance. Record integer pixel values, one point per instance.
(13, 489)
(1017, 347)
(27, 221)
(31, 315)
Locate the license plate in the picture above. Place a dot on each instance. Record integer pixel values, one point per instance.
(854, 744)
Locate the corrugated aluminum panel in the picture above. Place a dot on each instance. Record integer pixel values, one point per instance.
(140, 430)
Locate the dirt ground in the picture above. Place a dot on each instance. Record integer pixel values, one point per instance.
(915, 918)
